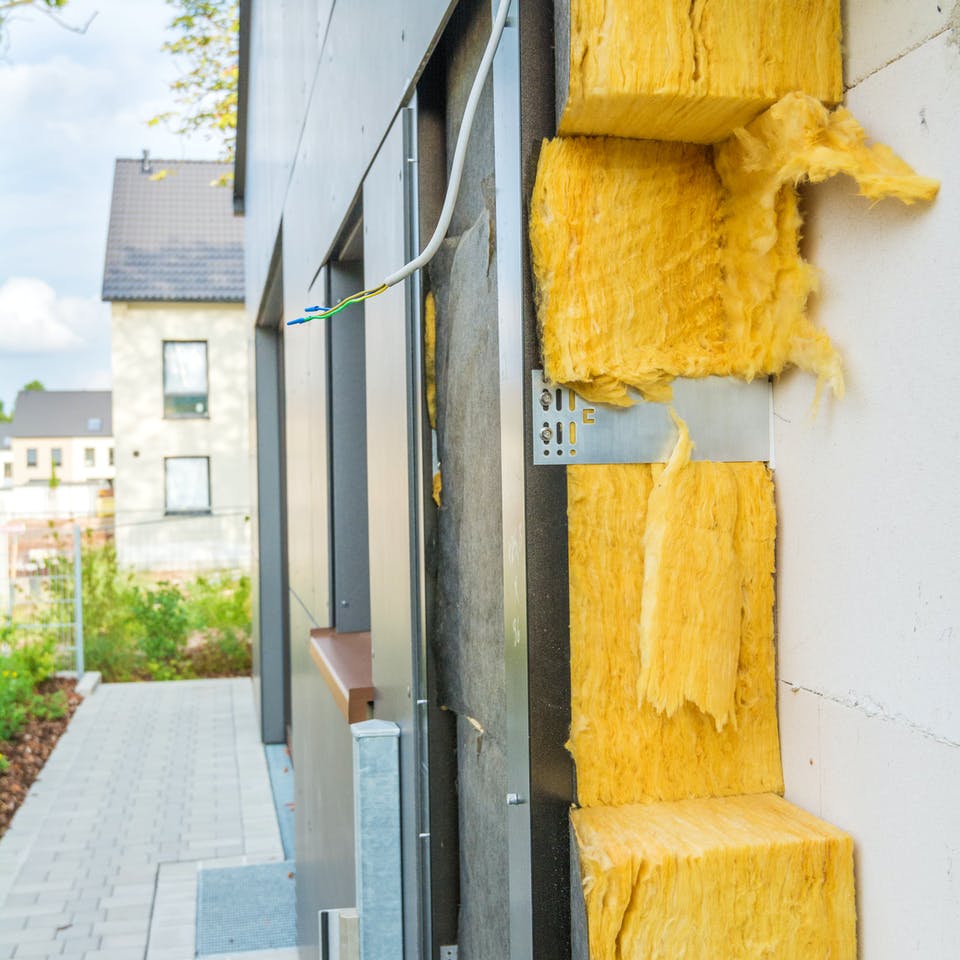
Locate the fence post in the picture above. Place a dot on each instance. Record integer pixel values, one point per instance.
(78, 599)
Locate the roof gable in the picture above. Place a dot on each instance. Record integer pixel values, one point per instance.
(175, 238)
(63, 413)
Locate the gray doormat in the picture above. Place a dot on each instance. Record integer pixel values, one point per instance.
(246, 908)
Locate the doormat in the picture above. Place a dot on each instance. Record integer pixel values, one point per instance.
(246, 908)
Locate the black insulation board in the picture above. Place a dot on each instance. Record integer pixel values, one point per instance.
(466, 644)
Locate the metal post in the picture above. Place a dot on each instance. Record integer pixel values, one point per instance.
(78, 599)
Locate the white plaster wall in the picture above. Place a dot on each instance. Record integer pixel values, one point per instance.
(868, 599)
(145, 537)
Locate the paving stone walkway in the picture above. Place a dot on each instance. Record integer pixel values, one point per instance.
(151, 782)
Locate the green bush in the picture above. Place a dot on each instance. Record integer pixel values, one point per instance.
(162, 622)
(22, 668)
(109, 630)
(137, 630)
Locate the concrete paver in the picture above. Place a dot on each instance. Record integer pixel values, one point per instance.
(150, 783)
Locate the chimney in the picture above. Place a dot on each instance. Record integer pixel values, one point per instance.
(145, 165)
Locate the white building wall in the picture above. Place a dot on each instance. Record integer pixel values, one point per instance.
(72, 469)
(146, 537)
(869, 605)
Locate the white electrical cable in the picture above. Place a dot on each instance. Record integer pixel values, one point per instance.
(459, 153)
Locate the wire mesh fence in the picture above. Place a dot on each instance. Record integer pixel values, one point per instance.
(42, 558)
(41, 595)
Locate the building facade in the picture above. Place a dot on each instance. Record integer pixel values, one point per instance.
(180, 370)
(348, 124)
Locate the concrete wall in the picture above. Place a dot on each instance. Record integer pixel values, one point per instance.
(868, 606)
(73, 467)
(146, 537)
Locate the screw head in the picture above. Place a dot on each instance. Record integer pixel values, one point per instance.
(546, 398)
(546, 434)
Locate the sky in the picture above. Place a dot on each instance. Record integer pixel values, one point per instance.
(70, 104)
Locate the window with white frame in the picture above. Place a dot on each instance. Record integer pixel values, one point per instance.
(187, 484)
(31, 456)
(7, 470)
(185, 378)
(56, 456)
(110, 456)
(89, 456)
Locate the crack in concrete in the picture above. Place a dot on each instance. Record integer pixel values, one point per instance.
(874, 710)
(952, 26)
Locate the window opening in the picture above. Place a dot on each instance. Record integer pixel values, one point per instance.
(185, 378)
(187, 484)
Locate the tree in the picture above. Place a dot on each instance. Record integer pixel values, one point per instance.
(208, 46)
(50, 7)
(4, 416)
(34, 385)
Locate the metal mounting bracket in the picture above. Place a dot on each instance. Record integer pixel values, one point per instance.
(729, 420)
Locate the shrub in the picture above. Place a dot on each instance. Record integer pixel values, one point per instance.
(22, 669)
(110, 639)
(162, 622)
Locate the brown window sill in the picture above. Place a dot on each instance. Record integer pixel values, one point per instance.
(346, 664)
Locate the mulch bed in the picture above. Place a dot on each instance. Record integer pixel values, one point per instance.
(29, 751)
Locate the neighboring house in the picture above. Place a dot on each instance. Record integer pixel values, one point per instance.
(174, 278)
(64, 435)
(6, 454)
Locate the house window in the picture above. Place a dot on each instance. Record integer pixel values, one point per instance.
(31, 456)
(56, 456)
(185, 378)
(187, 484)
(94, 424)
(7, 471)
(89, 457)
(110, 456)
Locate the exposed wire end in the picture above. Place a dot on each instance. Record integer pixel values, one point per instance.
(326, 312)
(453, 185)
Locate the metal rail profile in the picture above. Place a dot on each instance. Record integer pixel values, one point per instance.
(729, 420)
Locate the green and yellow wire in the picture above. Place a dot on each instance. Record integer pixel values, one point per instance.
(321, 313)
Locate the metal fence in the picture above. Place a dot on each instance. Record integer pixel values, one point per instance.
(41, 593)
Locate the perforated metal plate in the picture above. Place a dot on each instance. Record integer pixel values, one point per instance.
(729, 420)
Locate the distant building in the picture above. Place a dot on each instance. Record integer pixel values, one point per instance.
(174, 278)
(6, 454)
(60, 435)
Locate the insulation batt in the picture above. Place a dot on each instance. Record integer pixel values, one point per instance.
(740, 878)
(430, 356)
(627, 750)
(693, 71)
(691, 603)
(657, 260)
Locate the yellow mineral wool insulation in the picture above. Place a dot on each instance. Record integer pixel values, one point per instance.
(651, 263)
(691, 71)
(735, 877)
(626, 751)
(625, 237)
(430, 359)
(766, 283)
(691, 600)
(438, 489)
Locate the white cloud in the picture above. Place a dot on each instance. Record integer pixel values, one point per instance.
(33, 319)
